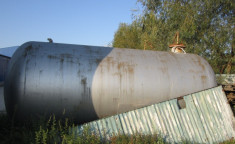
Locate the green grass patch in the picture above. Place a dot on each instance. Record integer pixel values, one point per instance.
(52, 131)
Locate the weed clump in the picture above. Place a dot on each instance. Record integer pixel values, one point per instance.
(63, 131)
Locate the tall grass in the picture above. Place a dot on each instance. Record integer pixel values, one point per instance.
(56, 132)
(53, 131)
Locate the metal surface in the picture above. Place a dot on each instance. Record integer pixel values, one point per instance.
(88, 82)
(207, 118)
(4, 60)
(2, 104)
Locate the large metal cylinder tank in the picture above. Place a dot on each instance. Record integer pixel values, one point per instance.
(90, 82)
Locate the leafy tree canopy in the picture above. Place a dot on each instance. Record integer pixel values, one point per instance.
(206, 28)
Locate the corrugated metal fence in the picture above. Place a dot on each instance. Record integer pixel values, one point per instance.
(207, 118)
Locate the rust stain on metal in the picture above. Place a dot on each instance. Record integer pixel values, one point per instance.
(98, 60)
(27, 49)
(204, 79)
(109, 59)
(164, 69)
(130, 70)
(110, 62)
(179, 98)
(120, 65)
(200, 64)
(106, 63)
(163, 61)
(62, 60)
(52, 57)
(115, 100)
(84, 85)
(65, 55)
(83, 81)
(196, 71)
(124, 66)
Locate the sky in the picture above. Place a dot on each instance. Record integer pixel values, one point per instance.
(86, 22)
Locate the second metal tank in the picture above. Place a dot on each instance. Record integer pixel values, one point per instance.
(89, 82)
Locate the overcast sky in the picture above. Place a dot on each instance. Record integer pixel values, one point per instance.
(86, 22)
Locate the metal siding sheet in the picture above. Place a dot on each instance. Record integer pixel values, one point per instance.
(129, 130)
(221, 116)
(212, 109)
(203, 117)
(165, 133)
(189, 122)
(154, 120)
(143, 118)
(167, 121)
(145, 111)
(207, 115)
(119, 125)
(176, 118)
(207, 118)
(201, 124)
(139, 122)
(133, 121)
(181, 123)
(109, 130)
(189, 102)
(101, 131)
(173, 121)
(187, 128)
(105, 128)
(226, 112)
(201, 136)
(112, 130)
(93, 128)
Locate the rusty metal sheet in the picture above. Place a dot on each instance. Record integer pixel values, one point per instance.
(207, 118)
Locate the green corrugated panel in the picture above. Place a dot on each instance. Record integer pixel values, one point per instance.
(207, 118)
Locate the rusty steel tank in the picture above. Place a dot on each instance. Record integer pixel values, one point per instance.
(86, 83)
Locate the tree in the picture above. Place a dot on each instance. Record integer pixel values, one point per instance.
(127, 36)
(206, 28)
